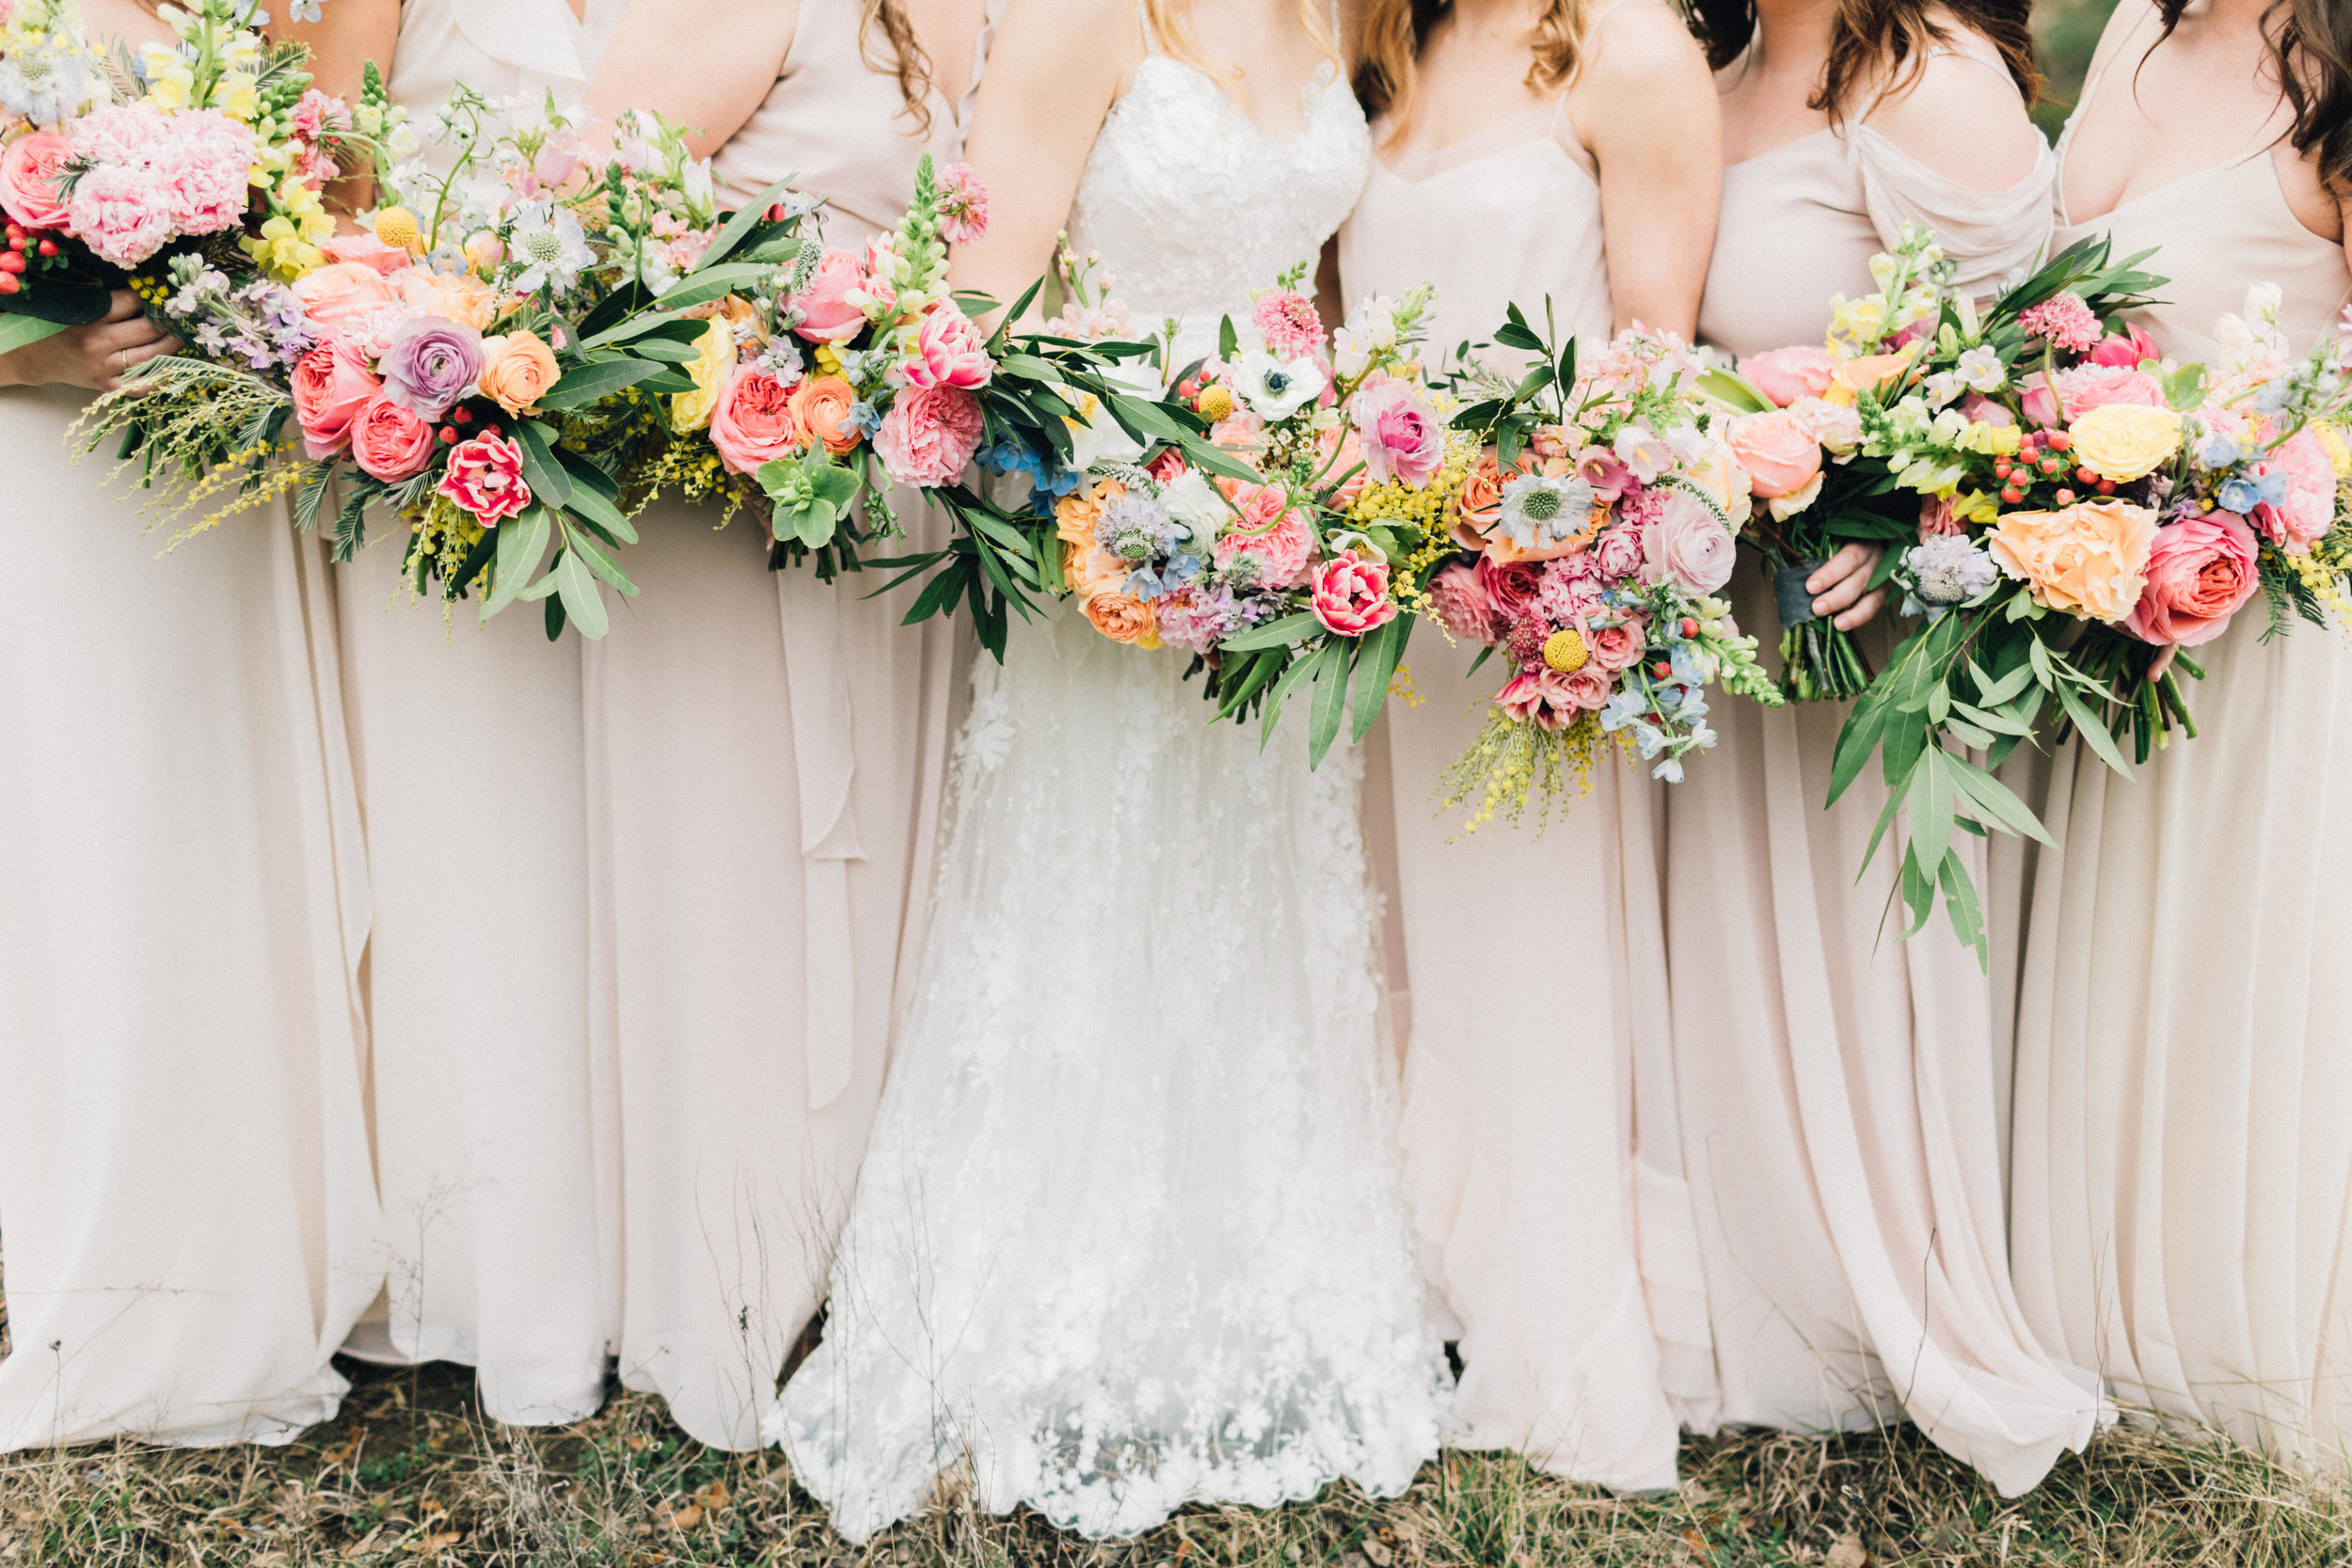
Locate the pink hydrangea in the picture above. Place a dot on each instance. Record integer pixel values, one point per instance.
(1287, 322)
(2063, 322)
(928, 436)
(960, 199)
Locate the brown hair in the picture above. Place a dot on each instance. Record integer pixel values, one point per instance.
(1394, 31)
(907, 61)
(2311, 54)
(1874, 37)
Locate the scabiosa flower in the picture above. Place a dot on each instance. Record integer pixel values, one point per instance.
(1949, 569)
(1135, 527)
(1543, 508)
(551, 245)
(960, 199)
(2064, 322)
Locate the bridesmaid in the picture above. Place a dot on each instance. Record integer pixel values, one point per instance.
(1578, 143)
(473, 778)
(2184, 1121)
(183, 1160)
(1837, 1091)
(767, 751)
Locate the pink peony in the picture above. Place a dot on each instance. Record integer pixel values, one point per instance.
(1287, 324)
(388, 441)
(2127, 350)
(485, 478)
(2088, 386)
(330, 386)
(28, 180)
(1571, 589)
(2310, 506)
(1351, 595)
(752, 422)
(1618, 646)
(1786, 374)
(1780, 456)
(119, 215)
(1459, 602)
(2200, 570)
(960, 199)
(928, 436)
(826, 314)
(949, 350)
(1268, 530)
(1402, 437)
(1684, 544)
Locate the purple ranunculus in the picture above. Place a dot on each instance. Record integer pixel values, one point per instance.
(429, 363)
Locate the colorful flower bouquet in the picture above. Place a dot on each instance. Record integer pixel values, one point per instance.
(209, 152)
(1589, 545)
(2085, 511)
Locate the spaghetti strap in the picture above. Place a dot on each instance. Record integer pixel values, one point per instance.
(1592, 25)
(1965, 49)
(1336, 44)
(1150, 39)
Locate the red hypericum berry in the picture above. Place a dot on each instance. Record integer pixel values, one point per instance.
(459, 416)
(11, 261)
(48, 247)
(2066, 497)
(2048, 464)
(2106, 487)
(8, 283)
(16, 242)
(1690, 626)
(2084, 476)
(449, 437)
(2058, 440)
(1662, 670)
(2024, 450)
(2013, 494)
(2000, 471)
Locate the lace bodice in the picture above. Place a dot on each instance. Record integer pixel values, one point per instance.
(1192, 203)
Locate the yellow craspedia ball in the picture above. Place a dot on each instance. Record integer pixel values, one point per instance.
(397, 227)
(1215, 404)
(1565, 651)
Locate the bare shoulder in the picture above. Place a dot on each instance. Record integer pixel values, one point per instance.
(1067, 34)
(1640, 48)
(2130, 19)
(1962, 116)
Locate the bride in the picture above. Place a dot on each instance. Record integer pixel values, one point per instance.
(1130, 1233)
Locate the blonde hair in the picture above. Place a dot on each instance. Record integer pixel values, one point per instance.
(1171, 21)
(1394, 31)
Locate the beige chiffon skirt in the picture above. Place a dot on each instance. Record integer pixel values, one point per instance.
(766, 756)
(183, 1177)
(2183, 1124)
(1838, 1092)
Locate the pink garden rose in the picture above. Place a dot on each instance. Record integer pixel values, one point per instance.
(752, 422)
(342, 293)
(1589, 687)
(1786, 374)
(1460, 604)
(1511, 586)
(1540, 697)
(1351, 595)
(1402, 437)
(330, 386)
(2310, 506)
(1836, 426)
(1618, 646)
(1780, 456)
(28, 180)
(928, 436)
(1684, 544)
(2088, 386)
(2199, 572)
(826, 314)
(390, 442)
(485, 479)
(949, 350)
(1268, 530)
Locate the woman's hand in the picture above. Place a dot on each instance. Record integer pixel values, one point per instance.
(95, 355)
(1840, 587)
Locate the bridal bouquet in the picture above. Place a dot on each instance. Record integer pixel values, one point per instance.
(1589, 545)
(207, 154)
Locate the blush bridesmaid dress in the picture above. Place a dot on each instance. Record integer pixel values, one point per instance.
(1531, 1207)
(2182, 1135)
(1837, 1089)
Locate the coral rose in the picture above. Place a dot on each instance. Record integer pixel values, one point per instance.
(752, 423)
(1351, 595)
(1122, 617)
(390, 442)
(1511, 586)
(826, 314)
(2200, 570)
(2089, 559)
(518, 370)
(1870, 372)
(1779, 454)
(1478, 504)
(2124, 441)
(820, 405)
(343, 291)
(331, 385)
(28, 180)
(1787, 374)
(928, 436)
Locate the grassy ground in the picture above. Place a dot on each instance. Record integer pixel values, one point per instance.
(412, 1474)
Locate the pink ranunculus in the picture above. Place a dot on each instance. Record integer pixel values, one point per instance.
(341, 292)
(1779, 454)
(2310, 507)
(1684, 544)
(330, 386)
(1618, 553)
(2127, 350)
(485, 478)
(368, 251)
(1459, 602)
(928, 436)
(1539, 697)
(1351, 595)
(390, 442)
(1402, 437)
(28, 180)
(1268, 530)
(949, 350)
(752, 422)
(826, 314)
(1510, 589)
(1617, 646)
(2200, 570)
(119, 214)
(1786, 374)
(2088, 386)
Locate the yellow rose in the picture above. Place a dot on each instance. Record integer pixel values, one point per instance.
(2089, 559)
(714, 357)
(2124, 441)
(1721, 476)
(1869, 373)
(517, 370)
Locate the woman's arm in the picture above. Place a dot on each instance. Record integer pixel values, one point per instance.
(347, 35)
(94, 356)
(696, 64)
(1056, 70)
(1644, 105)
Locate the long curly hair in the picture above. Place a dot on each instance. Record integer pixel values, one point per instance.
(1881, 41)
(2311, 55)
(901, 53)
(1395, 30)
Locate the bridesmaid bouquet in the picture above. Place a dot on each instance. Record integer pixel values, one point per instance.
(1589, 545)
(202, 157)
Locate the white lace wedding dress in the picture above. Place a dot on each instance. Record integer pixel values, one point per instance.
(1130, 1232)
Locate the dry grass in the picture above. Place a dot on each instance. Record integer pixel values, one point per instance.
(412, 1473)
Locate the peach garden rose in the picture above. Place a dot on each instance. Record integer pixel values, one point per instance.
(2089, 559)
